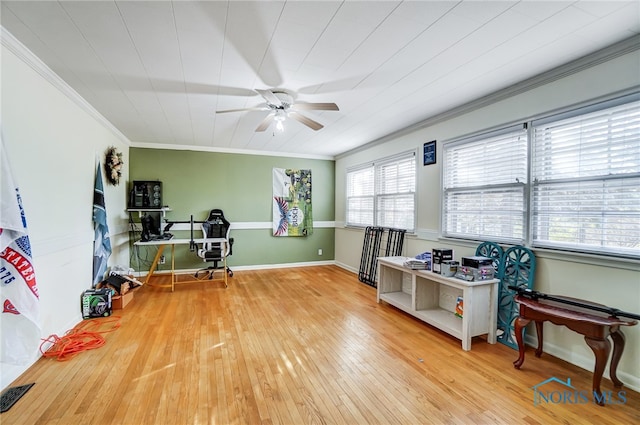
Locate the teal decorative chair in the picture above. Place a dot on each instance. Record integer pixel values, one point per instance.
(517, 268)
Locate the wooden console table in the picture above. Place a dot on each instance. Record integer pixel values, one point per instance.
(595, 327)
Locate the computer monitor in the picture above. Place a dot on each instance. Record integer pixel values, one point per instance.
(151, 222)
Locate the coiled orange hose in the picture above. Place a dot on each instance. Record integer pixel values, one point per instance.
(86, 335)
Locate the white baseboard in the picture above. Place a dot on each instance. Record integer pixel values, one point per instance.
(584, 362)
(346, 267)
(256, 267)
(284, 265)
(270, 266)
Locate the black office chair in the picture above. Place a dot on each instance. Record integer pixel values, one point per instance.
(216, 226)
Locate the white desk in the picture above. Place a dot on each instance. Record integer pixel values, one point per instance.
(431, 298)
(174, 276)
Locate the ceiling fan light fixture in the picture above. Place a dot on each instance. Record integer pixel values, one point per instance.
(281, 106)
(279, 117)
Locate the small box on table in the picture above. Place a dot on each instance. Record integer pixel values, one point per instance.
(477, 262)
(471, 274)
(438, 255)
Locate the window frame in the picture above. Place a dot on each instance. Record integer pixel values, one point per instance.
(356, 169)
(604, 178)
(377, 195)
(484, 187)
(530, 212)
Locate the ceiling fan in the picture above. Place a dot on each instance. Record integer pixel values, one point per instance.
(281, 105)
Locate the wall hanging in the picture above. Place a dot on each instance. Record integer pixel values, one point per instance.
(113, 165)
(292, 210)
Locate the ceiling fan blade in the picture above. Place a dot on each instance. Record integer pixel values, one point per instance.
(241, 110)
(314, 125)
(315, 106)
(266, 122)
(270, 97)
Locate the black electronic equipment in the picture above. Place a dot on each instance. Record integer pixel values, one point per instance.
(145, 194)
(476, 262)
(150, 226)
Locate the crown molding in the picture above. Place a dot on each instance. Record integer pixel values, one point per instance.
(30, 59)
(173, 147)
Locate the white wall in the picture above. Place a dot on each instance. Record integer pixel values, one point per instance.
(54, 141)
(612, 283)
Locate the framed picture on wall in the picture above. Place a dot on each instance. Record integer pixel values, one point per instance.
(429, 153)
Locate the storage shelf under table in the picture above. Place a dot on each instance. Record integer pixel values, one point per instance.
(432, 298)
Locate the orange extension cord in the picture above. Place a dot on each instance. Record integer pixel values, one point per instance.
(86, 335)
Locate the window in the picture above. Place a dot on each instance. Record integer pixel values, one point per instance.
(586, 179)
(583, 194)
(360, 199)
(485, 186)
(383, 193)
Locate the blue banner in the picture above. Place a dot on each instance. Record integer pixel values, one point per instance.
(102, 242)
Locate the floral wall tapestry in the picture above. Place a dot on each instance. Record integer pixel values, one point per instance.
(292, 210)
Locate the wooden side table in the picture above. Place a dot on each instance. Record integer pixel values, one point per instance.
(595, 327)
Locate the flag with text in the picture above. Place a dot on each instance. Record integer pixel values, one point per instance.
(20, 317)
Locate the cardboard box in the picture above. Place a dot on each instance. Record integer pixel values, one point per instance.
(438, 255)
(120, 301)
(95, 303)
(119, 284)
(471, 274)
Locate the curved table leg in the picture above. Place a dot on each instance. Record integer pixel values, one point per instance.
(540, 338)
(618, 347)
(600, 349)
(520, 323)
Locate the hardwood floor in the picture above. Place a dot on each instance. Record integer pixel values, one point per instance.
(296, 346)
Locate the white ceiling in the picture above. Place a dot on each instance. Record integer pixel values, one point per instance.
(158, 70)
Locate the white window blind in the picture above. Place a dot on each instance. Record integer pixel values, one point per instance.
(485, 181)
(586, 180)
(360, 195)
(383, 194)
(395, 193)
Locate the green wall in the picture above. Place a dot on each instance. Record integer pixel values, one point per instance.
(241, 185)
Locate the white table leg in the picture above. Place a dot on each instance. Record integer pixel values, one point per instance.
(467, 314)
(493, 314)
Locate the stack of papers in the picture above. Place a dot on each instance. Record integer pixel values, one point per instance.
(415, 264)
